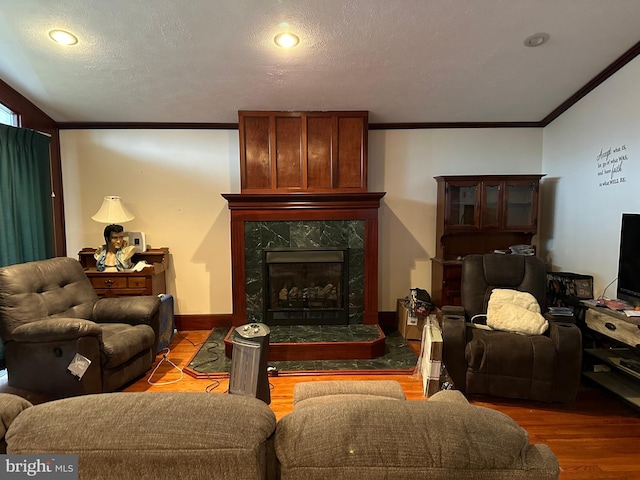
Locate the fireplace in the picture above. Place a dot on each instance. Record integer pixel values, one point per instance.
(341, 221)
(306, 286)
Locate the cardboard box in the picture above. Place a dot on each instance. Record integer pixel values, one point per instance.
(431, 354)
(409, 327)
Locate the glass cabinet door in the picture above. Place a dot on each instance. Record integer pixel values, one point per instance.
(463, 205)
(520, 204)
(492, 205)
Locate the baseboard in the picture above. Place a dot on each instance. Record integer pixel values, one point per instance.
(386, 320)
(203, 321)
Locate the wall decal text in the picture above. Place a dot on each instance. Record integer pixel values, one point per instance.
(610, 163)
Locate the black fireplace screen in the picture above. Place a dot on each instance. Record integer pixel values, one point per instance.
(306, 286)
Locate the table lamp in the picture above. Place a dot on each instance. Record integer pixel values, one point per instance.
(113, 211)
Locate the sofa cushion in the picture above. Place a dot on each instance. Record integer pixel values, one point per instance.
(122, 342)
(368, 437)
(56, 287)
(12, 406)
(381, 388)
(449, 396)
(498, 362)
(159, 435)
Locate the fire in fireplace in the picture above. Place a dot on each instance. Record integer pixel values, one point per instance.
(306, 286)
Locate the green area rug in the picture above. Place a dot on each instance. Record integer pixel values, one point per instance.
(398, 354)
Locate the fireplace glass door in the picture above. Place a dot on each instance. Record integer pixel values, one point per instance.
(306, 286)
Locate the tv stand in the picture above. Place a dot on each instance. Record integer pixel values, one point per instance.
(616, 345)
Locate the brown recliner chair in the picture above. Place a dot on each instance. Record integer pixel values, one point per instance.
(49, 312)
(543, 367)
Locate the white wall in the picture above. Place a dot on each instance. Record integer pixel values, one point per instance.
(171, 180)
(581, 215)
(403, 164)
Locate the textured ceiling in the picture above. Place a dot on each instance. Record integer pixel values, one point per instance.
(415, 61)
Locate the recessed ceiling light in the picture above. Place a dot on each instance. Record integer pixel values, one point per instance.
(536, 39)
(286, 40)
(63, 37)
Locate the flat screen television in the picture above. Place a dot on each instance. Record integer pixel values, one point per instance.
(629, 259)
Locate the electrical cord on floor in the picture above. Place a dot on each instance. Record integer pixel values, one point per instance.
(212, 386)
(165, 358)
(190, 341)
(215, 357)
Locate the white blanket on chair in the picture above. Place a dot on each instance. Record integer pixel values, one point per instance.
(515, 311)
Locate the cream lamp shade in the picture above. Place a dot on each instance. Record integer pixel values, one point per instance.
(112, 210)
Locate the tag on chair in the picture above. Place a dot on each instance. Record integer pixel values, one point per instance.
(79, 365)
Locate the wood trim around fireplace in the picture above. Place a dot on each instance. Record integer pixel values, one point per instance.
(304, 206)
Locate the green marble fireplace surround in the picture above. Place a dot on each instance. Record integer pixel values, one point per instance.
(303, 234)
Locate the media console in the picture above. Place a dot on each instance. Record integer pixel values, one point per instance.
(617, 349)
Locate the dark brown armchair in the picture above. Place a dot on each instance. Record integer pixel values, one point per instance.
(543, 367)
(49, 312)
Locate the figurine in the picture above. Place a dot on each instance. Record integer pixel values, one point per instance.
(114, 255)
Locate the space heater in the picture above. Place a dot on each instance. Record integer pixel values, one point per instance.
(248, 375)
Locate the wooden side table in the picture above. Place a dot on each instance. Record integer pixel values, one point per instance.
(148, 281)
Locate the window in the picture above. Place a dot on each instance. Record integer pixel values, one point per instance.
(7, 116)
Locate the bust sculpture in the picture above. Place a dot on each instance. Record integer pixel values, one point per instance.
(114, 255)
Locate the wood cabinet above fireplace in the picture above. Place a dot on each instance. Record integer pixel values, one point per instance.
(303, 151)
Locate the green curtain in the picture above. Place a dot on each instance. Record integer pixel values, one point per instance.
(26, 214)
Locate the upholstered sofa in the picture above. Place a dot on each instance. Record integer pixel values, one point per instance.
(337, 430)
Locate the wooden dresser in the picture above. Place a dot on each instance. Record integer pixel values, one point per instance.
(148, 281)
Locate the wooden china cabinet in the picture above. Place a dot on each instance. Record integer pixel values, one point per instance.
(479, 214)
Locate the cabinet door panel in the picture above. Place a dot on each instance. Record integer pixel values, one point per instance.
(491, 205)
(320, 150)
(462, 205)
(451, 285)
(351, 173)
(288, 152)
(520, 206)
(255, 164)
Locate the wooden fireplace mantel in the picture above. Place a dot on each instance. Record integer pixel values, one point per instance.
(310, 201)
(304, 206)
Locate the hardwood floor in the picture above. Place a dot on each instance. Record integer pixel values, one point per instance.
(595, 438)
